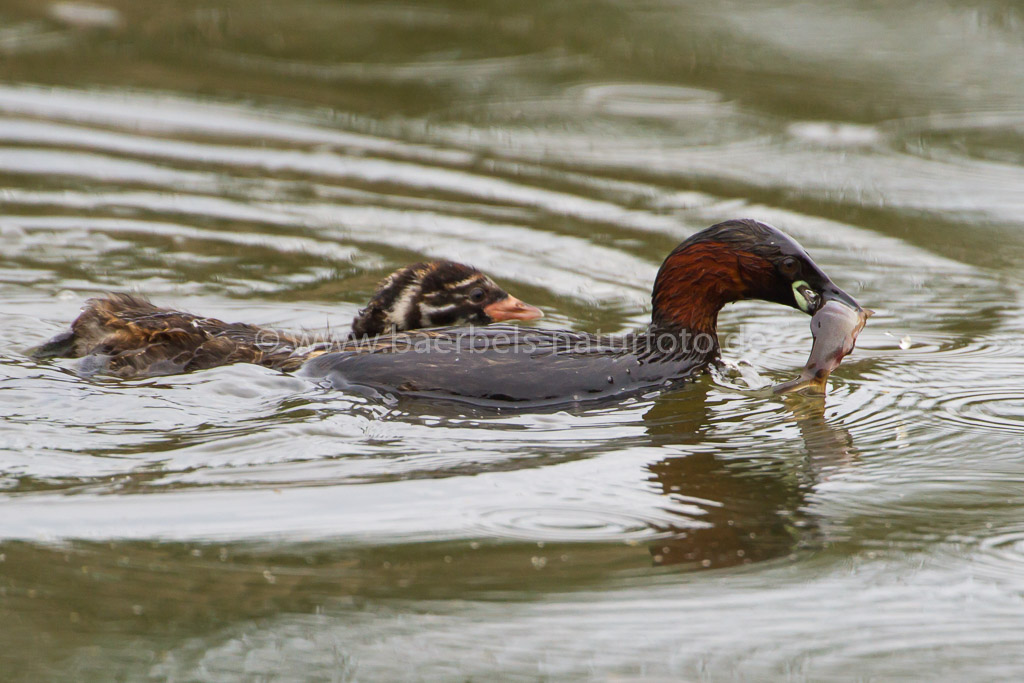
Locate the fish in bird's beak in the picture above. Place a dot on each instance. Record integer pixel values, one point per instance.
(835, 327)
(511, 308)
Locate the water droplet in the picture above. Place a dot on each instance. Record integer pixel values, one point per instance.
(906, 342)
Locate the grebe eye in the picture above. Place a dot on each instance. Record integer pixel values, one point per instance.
(789, 266)
(477, 296)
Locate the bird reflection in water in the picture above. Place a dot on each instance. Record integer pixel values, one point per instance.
(739, 510)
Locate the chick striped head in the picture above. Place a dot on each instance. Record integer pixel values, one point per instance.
(438, 294)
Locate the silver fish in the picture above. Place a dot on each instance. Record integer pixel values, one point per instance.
(835, 328)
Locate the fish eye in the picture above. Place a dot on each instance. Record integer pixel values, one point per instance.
(789, 267)
(477, 295)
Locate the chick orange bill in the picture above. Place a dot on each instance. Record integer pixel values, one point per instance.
(511, 308)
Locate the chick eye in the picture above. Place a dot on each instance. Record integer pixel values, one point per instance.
(477, 295)
(789, 267)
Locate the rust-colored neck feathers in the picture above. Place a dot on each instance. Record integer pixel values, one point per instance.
(695, 282)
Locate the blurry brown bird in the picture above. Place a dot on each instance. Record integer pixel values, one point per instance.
(127, 336)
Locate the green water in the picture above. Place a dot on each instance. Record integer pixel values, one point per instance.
(270, 161)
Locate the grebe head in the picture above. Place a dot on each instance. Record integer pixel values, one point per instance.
(734, 260)
(437, 294)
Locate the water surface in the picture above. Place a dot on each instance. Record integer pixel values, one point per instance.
(270, 163)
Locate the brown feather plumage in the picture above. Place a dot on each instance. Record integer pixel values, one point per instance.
(129, 336)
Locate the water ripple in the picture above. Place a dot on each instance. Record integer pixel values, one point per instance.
(999, 409)
(1001, 555)
(565, 523)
